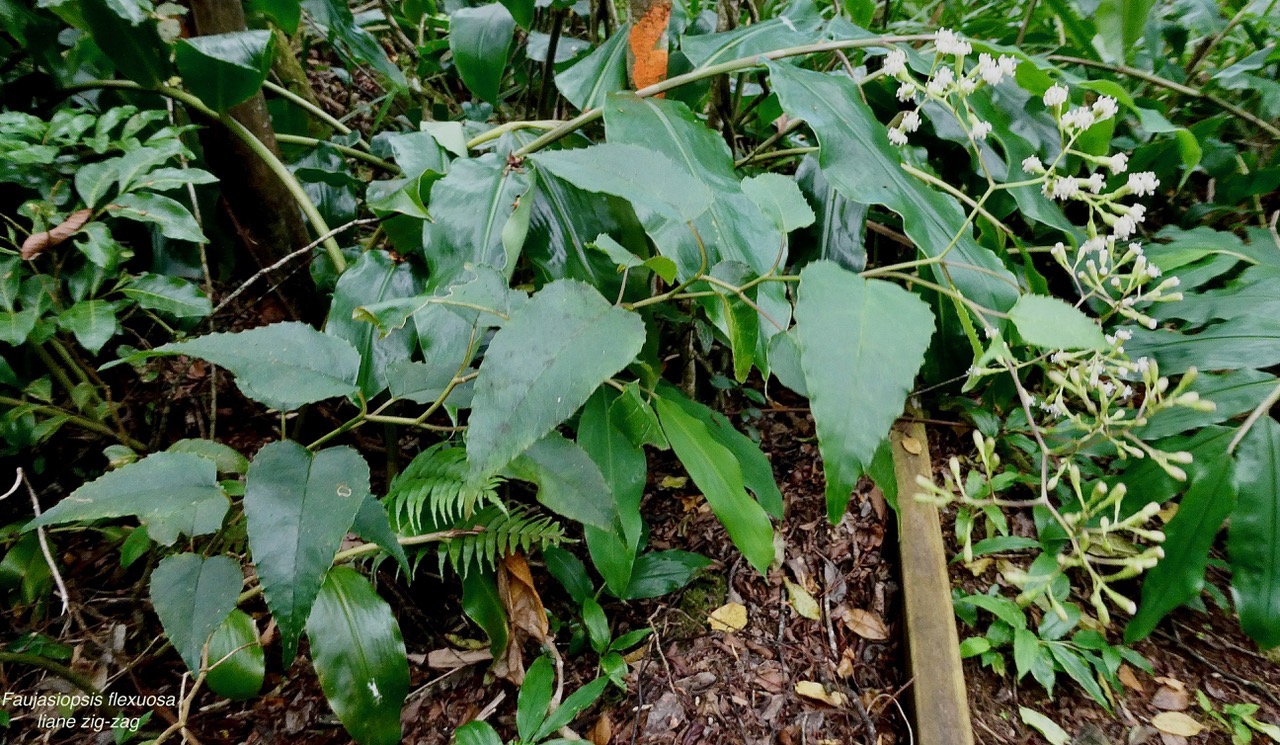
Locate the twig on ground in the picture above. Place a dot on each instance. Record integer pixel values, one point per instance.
(44, 546)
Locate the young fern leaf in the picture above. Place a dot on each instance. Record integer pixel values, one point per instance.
(432, 493)
(505, 531)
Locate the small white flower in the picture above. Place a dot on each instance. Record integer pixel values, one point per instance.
(1139, 213)
(897, 137)
(910, 121)
(1095, 182)
(989, 70)
(1118, 163)
(1064, 188)
(948, 43)
(1008, 65)
(1124, 334)
(990, 331)
(1097, 244)
(1032, 164)
(1125, 226)
(895, 63)
(1105, 108)
(967, 86)
(1142, 364)
(981, 130)
(906, 92)
(1080, 118)
(1055, 96)
(1143, 184)
(1126, 392)
(942, 80)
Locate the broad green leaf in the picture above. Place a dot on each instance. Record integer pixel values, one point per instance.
(1254, 536)
(227, 459)
(359, 656)
(542, 366)
(661, 572)
(570, 572)
(715, 470)
(374, 277)
(284, 365)
(480, 39)
(573, 705)
(236, 660)
(168, 492)
(168, 179)
(334, 17)
(127, 35)
(535, 697)
(798, 25)
(373, 525)
(471, 206)
(779, 197)
(643, 177)
(481, 603)
(192, 595)
(298, 506)
(1244, 342)
(172, 296)
(1190, 535)
(1120, 24)
(1026, 650)
(784, 359)
(660, 265)
(600, 73)
(522, 12)
(1044, 725)
(1232, 394)
(477, 733)
(225, 69)
(623, 466)
(16, 326)
(1078, 669)
(858, 160)
(93, 322)
(569, 482)
(95, 180)
(1049, 323)
(1252, 293)
(174, 220)
(861, 344)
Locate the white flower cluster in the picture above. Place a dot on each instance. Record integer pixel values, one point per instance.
(949, 83)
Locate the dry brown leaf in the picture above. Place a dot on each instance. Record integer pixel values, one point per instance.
(866, 624)
(525, 614)
(1177, 723)
(38, 243)
(1130, 680)
(847, 659)
(802, 601)
(452, 659)
(1171, 698)
(818, 692)
(912, 445)
(728, 617)
(602, 732)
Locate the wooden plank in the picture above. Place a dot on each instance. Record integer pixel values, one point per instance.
(941, 704)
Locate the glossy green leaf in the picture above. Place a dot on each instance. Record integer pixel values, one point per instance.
(334, 17)
(661, 572)
(861, 344)
(797, 26)
(480, 39)
(623, 466)
(1120, 25)
(573, 705)
(715, 470)
(373, 525)
(298, 506)
(192, 595)
(1050, 323)
(169, 492)
(858, 160)
(542, 366)
(172, 296)
(1244, 342)
(126, 33)
(225, 69)
(569, 482)
(284, 365)
(643, 177)
(535, 697)
(780, 199)
(173, 220)
(1232, 394)
(570, 572)
(522, 12)
(1254, 536)
(374, 277)
(481, 603)
(600, 73)
(477, 733)
(237, 663)
(359, 656)
(472, 207)
(93, 322)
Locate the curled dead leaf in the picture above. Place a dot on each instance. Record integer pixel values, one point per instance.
(1177, 723)
(912, 445)
(525, 614)
(728, 617)
(38, 243)
(818, 692)
(602, 732)
(866, 624)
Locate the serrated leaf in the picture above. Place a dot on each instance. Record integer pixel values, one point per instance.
(643, 177)
(359, 656)
(480, 39)
(861, 344)
(237, 663)
(283, 366)
(1049, 323)
(542, 366)
(298, 506)
(192, 595)
(168, 492)
(172, 296)
(225, 69)
(174, 220)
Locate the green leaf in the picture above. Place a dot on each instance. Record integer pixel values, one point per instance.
(1044, 725)
(480, 39)
(350, 40)
(858, 160)
(570, 572)
(779, 197)
(236, 658)
(127, 35)
(172, 296)
(373, 525)
(174, 220)
(797, 26)
(661, 572)
(93, 322)
(472, 206)
(569, 482)
(600, 73)
(359, 657)
(521, 11)
(1244, 342)
(660, 265)
(1231, 393)
(535, 697)
(298, 506)
(481, 603)
(1254, 536)
(283, 366)
(1120, 24)
(624, 467)
(225, 69)
(644, 177)
(573, 705)
(227, 459)
(861, 344)
(374, 277)
(1075, 666)
(192, 595)
(477, 733)
(1002, 608)
(542, 366)
(1026, 649)
(1049, 323)
(715, 470)
(1190, 535)
(168, 492)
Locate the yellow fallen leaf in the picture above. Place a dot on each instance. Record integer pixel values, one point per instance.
(866, 624)
(673, 482)
(818, 692)
(728, 617)
(1168, 512)
(1177, 723)
(802, 601)
(912, 445)
(978, 567)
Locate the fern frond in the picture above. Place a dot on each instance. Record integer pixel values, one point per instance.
(433, 492)
(505, 532)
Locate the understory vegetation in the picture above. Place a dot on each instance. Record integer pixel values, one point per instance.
(279, 352)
